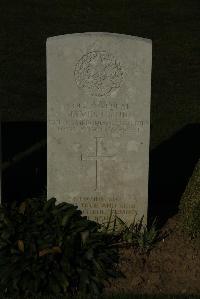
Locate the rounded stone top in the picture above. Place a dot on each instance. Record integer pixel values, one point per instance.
(98, 34)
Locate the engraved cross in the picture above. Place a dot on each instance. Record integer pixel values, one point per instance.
(97, 158)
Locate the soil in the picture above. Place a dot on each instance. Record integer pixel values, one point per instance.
(171, 267)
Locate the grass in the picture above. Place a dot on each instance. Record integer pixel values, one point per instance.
(136, 234)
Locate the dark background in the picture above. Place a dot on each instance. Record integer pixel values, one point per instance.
(172, 25)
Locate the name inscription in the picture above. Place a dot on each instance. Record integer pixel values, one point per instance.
(99, 117)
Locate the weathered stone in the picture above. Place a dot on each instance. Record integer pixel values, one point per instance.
(98, 87)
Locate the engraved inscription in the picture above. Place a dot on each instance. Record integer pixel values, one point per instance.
(98, 208)
(99, 124)
(106, 127)
(97, 158)
(98, 73)
(101, 118)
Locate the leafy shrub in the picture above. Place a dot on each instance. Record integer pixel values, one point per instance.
(49, 249)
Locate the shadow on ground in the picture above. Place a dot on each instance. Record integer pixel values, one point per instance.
(171, 165)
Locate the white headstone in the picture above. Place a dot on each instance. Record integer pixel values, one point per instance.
(98, 90)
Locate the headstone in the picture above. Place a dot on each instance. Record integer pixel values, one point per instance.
(98, 90)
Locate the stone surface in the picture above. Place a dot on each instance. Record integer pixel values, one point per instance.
(98, 90)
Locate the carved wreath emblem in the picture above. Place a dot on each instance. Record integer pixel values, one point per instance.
(98, 73)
